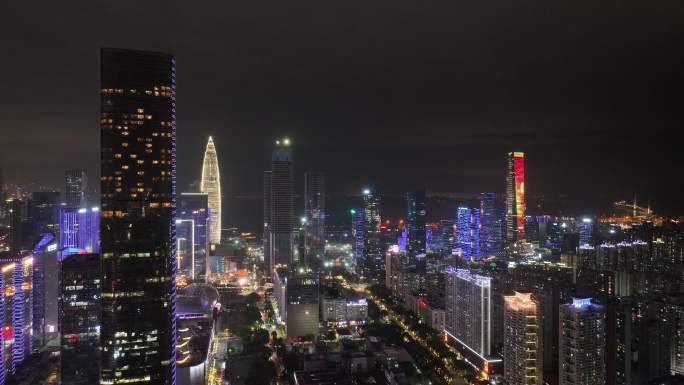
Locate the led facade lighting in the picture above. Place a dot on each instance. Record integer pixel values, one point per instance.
(211, 185)
(515, 197)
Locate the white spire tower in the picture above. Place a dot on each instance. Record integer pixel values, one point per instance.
(211, 185)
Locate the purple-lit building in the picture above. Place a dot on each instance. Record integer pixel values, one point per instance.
(468, 233)
(46, 258)
(16, 313)
(80, 228)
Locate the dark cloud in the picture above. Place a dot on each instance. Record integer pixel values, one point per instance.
(390, 93)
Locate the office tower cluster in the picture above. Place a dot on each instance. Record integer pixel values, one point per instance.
(292, 253)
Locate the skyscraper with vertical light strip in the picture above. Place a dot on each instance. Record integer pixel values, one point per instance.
(515, 197)
(211, 185)
(137, 227)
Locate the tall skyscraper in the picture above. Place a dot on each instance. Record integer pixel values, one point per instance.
(75, 184)
(314, 208)
(192, 235)
(79, 319)
(585, 227)
(468, 233)
(515, 197)
(523, 353)
(416, 215)
(492, 219)
(468, 310)
(582, 343)
(282, 205)
(211, 185)
(357, 231)
(373, 255)
(138, 173)
(266, 234)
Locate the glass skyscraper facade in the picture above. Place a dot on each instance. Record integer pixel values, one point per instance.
(492, 220)
(138, 175)
(416, 215)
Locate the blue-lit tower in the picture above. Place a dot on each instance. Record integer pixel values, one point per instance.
(586, 226)
(463, 232)
(357, 232)
(416, 215)
(193, 235)
(468, 233)
(492, 220)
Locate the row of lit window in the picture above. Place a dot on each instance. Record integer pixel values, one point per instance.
(112, 90)
(123, 294)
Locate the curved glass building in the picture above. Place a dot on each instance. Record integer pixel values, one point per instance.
(211, 185)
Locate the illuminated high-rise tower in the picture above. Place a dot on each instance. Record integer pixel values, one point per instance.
(211, 185)
(515, 197)
(522, 340)
(416, 214)
(582, 343)
(282, 205)
(373, 255)
(137, 223)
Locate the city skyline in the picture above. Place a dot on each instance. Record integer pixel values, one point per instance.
(433, 194)
(556, 102)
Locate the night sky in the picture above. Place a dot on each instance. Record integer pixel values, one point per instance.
(390, 94)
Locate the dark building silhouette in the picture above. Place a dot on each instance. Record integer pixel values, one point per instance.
(79, 319)
(282, 205)
(138, 156)
(416, 214)
(314, 208)
(75, 184)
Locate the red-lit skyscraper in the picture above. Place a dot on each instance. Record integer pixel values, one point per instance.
(515, 197)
